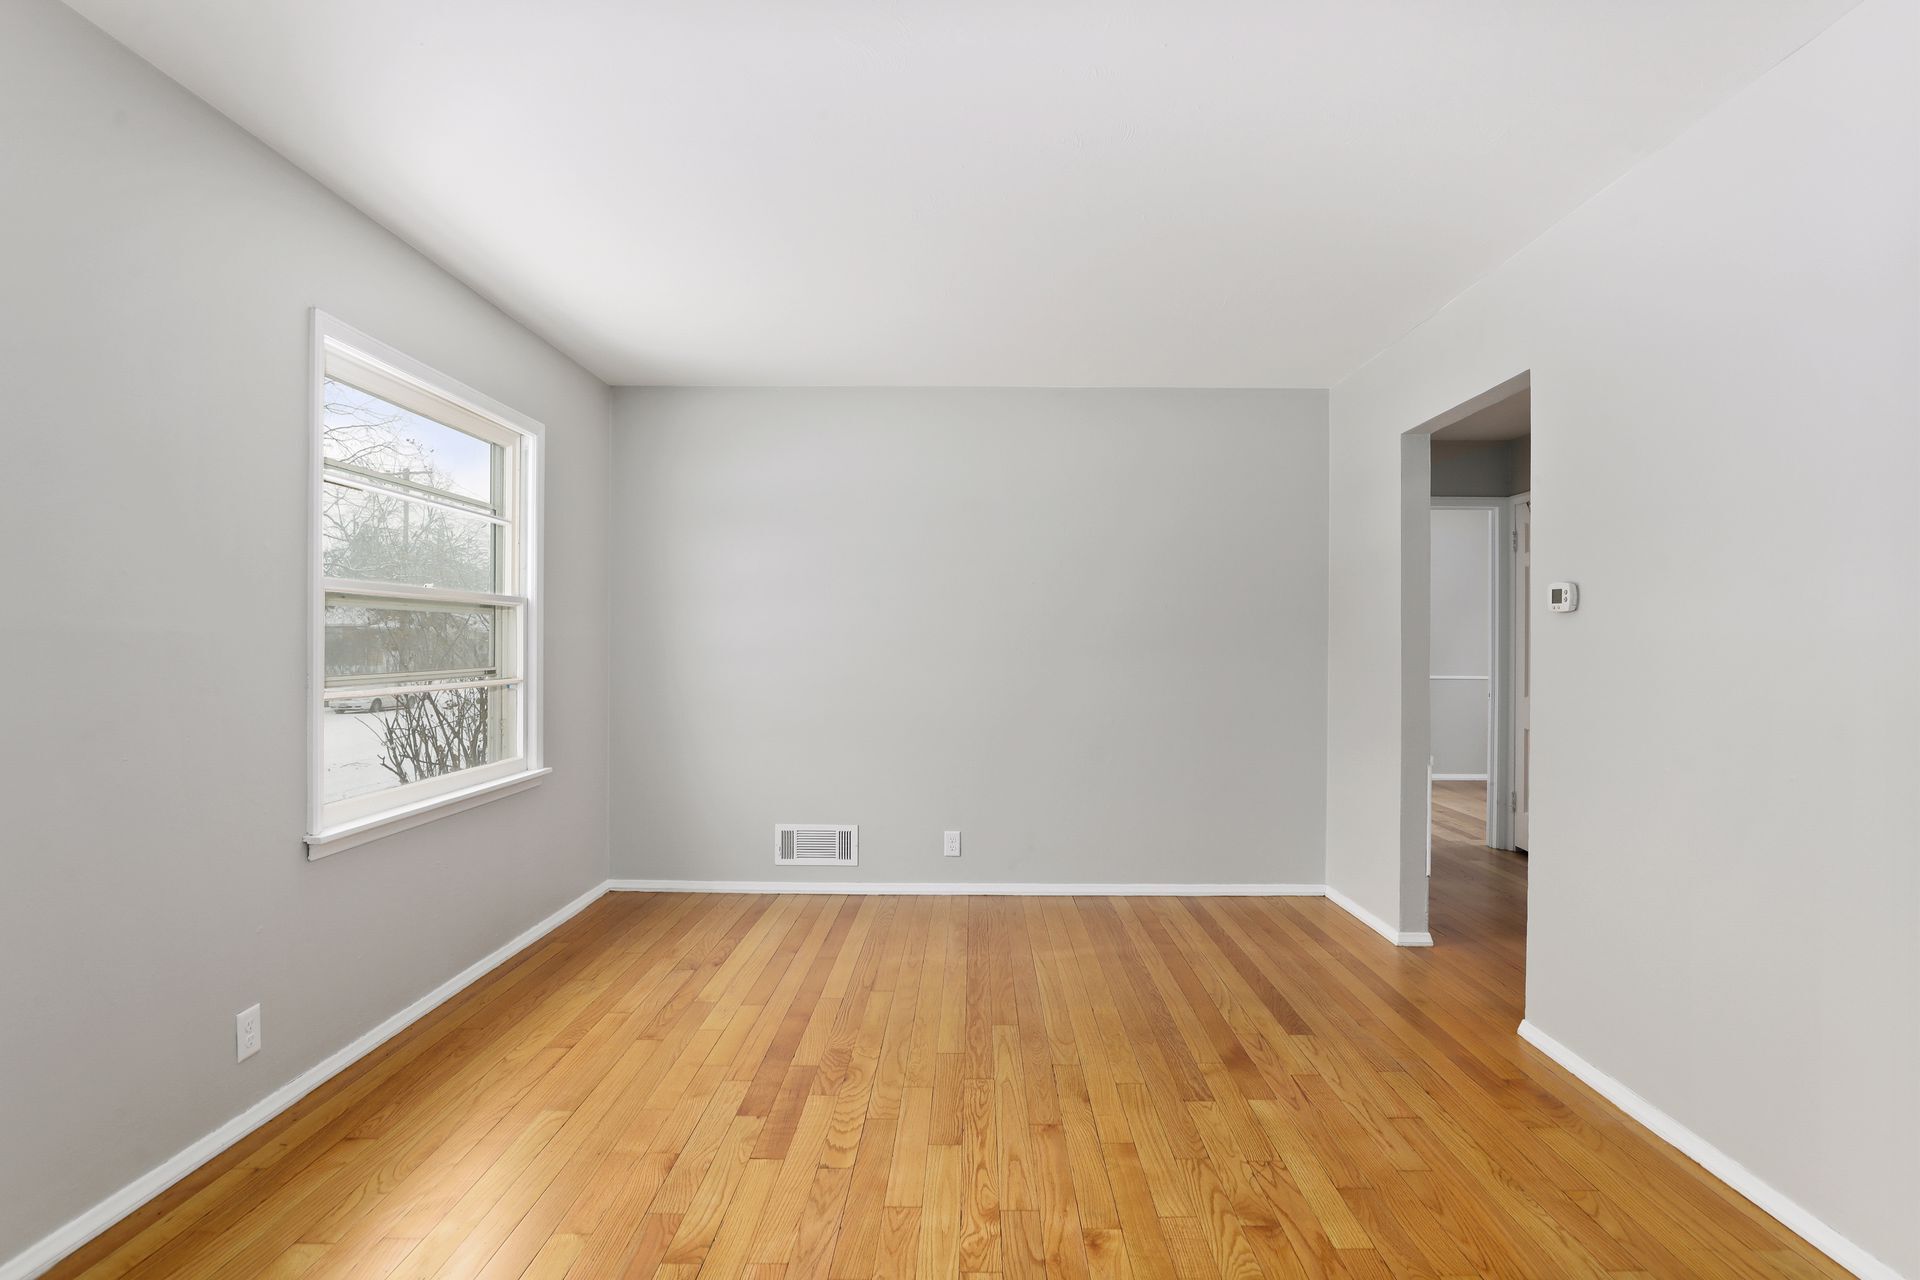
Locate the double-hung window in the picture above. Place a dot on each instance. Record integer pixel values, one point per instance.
(426, 624)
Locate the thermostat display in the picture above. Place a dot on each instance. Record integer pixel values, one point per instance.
(1563, 597)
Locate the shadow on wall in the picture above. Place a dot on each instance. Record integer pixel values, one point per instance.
(1482, 468)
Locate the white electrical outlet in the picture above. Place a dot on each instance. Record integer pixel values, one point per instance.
(952, 847)
(246, 1028)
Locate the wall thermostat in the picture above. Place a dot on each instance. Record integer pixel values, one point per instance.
(1563, 597)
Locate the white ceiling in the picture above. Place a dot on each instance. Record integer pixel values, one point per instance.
(975, 192)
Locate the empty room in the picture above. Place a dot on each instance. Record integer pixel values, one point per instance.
(819, 642)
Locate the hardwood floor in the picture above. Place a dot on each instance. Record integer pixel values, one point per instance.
(806, 1086)
(1477, 895)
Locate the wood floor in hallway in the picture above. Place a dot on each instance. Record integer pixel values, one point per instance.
(823, 1086)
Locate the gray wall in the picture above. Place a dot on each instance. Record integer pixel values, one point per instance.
(1086, 628)
(1720, 918)
(1460, 630)
(1481, 468)
(157, 268)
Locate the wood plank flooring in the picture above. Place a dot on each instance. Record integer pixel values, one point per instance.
(786, 1088)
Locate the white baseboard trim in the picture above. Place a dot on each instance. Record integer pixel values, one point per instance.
(1459, 777)
(1002, 889)
(1715, 1161)
(49, 1249)
(1375, 923)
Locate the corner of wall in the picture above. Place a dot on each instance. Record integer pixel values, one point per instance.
(606, 587)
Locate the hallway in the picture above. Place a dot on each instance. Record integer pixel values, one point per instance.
(1478, 894)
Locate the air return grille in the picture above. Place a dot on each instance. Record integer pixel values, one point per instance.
(816, 844)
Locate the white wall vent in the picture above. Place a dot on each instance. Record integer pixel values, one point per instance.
(816, 844)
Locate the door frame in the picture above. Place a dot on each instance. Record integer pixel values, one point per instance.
(1501, 667)
(1416, 519)
(1516, 624)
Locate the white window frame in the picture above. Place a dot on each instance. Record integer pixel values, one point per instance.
(357, 820)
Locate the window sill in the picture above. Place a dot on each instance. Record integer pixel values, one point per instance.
(353, 834)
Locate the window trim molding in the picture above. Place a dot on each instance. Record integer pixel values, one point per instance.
(351, 835)
(329, 334)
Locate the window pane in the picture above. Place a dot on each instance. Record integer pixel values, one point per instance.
(362, 430)
(371, 638)
(410, 737)
(383, 538)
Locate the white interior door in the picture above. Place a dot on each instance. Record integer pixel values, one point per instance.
(1522, 667)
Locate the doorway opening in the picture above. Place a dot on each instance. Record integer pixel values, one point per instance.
(1468, 514)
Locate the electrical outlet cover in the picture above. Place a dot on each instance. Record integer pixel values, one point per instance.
(246, 1027)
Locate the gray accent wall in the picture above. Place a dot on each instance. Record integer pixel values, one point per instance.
(158, 266)
(1720, 918)
(1085, 628)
